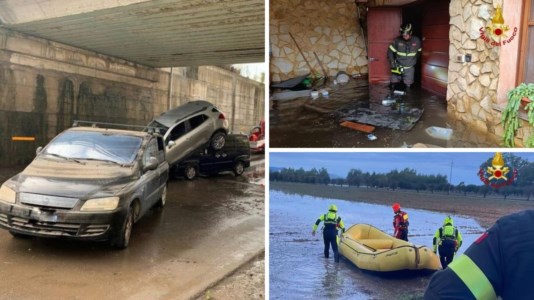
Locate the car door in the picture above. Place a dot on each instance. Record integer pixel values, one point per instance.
(177, 134)
(201, 130)
(150, 178)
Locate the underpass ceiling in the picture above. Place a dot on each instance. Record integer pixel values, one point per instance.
(156, 33)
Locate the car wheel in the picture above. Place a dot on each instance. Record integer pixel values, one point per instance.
(218, 140)
(122, 239)
(239, 168)
(163, 199)
(190, 172)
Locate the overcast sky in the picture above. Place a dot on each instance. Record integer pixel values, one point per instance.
(464, 167)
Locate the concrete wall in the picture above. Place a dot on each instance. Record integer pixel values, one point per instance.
(44, 86)
(330, 29)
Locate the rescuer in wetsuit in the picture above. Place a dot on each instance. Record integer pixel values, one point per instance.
(498, 263)
(331, 224)
(400, 222)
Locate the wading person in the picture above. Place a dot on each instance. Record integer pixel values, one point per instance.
(447, 241)
(402, 56)
(400, 222)
(498, 263)
(332, 222)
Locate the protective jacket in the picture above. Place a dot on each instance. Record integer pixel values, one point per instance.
(400, 222)
(498, 263)
(332, 222)
(446, 233)
(404, 52)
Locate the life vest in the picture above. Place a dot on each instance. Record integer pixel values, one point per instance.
(331, 221)
(448, 232)
(400, 220)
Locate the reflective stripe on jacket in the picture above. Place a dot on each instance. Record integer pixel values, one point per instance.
(498, 263)
(331, 221)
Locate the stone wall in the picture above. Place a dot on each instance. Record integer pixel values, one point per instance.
(45, 86)
(330, 29)
(472, 87)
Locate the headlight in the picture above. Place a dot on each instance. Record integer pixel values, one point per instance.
(100, 204)
(7, 195)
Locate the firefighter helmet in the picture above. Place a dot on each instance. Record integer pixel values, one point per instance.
(406, 29)
(396, 207)
(332, 208)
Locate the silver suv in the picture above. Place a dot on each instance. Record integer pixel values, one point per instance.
(88, 184)
(190, 126)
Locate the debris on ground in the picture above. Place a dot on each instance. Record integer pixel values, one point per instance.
(358, 126)
(439, 132)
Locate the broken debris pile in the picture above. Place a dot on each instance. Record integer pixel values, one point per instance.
(400, 118)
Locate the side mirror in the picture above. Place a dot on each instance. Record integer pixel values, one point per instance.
(171, 144)
(38, 150)
(152, 164)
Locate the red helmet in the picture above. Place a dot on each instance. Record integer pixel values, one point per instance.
(396, 207)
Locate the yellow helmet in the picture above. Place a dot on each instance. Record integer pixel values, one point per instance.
(332, 208)
(448, 220)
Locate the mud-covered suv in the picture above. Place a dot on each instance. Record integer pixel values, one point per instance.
(88, 184)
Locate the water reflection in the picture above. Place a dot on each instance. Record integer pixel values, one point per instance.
(298, 269)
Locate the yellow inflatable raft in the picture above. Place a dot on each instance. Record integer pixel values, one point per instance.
(371, 249)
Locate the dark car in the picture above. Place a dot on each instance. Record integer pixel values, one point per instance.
(88, 184)
(234, 156)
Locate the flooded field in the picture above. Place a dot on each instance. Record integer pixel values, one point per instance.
(298, 269)
(304, 122)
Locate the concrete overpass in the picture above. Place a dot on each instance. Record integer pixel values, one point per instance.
(154, 33)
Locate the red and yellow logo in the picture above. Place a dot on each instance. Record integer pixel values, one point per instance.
(498, 173)
(496, 33)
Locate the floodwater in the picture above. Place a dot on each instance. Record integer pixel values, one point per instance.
(298, 269)
(294, 123)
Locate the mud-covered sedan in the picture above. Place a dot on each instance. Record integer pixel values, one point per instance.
(88, 184)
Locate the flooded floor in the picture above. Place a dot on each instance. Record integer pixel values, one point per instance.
(298, 269)
(304, 122)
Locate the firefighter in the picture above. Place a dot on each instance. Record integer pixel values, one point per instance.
(402, 55)
(498, 264)
(332, 222)
(400, 222)
(447, 240)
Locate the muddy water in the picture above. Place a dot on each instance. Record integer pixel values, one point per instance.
(294, 124)
(298, 269)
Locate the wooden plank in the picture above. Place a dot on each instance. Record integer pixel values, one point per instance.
(358, 126)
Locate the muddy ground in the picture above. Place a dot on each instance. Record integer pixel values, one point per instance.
(375, 286)
(248, 282)
(307, 122)
(173, 253)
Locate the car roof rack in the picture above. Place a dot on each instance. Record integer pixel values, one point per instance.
(149, 129)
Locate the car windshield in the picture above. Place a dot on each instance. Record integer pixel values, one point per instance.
(118, 148)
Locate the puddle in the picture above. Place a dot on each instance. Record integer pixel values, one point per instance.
(298, 269)
(315, 123)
